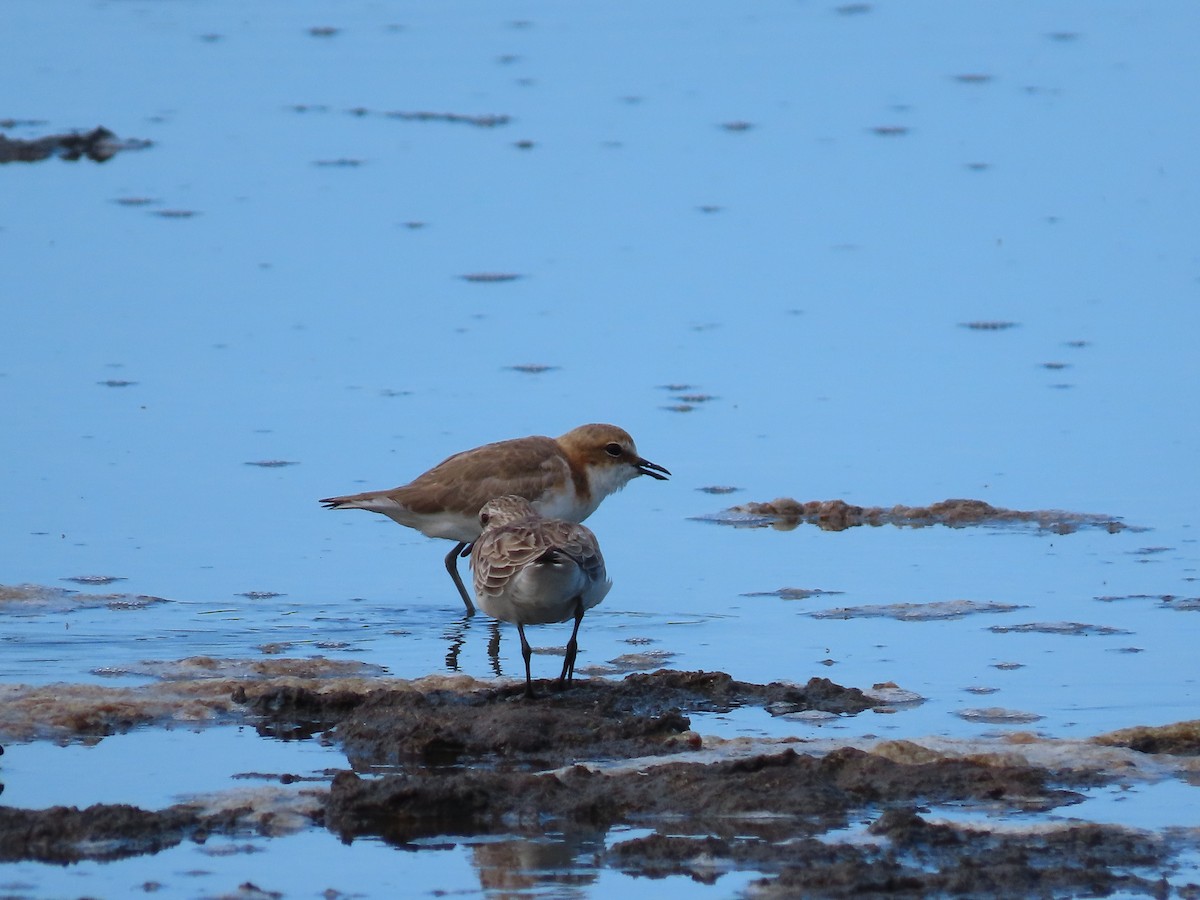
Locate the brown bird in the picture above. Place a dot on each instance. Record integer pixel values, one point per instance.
(563, 478)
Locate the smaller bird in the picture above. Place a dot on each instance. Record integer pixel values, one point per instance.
(531, 570)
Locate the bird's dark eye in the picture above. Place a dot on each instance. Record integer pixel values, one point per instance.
(613, 449)
(483, 518)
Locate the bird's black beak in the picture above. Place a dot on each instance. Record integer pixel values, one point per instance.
(645, 467)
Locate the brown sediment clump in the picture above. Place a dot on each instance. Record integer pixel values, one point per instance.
(1178, 739)
(785, 513)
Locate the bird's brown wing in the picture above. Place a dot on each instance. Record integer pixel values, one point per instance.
(499, 553)
(527, 467)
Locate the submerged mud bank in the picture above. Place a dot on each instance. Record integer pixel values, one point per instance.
(617, 765)
(785, 514)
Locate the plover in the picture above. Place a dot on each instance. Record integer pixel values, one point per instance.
(531, 570)
(564, 478)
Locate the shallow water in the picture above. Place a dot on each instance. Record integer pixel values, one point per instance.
(907, 171)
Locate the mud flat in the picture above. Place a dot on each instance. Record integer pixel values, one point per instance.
(455, 759)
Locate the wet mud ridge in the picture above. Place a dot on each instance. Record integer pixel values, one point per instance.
(454, 759)
(785, 514)
(641, 715)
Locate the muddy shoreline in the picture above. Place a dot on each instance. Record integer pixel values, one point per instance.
(455, 759)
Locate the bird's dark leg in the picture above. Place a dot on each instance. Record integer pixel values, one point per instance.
(526, 651)
(568, 672)
(460, 549)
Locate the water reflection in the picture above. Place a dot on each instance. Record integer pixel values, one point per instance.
(455, 635)
(514, 867)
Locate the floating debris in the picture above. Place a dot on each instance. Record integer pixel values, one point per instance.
(1188, 604)
(116, 383)
(1077, 629)
(136, 201)
(261, 595)
(852, 9)
(176, 213)
(490, 277)
(532, 368)
(629, 662)
(988, 325)
(323, 31)
(479, 121)
(973, 78)
(95, 579)
(737, 125)
(890, 130)
(719, 489)
(837, 515)
(917, 612)
(272, 463)
(342, 162)
(997, 715)
(98, 145)
(790, 593)
(1108, 598)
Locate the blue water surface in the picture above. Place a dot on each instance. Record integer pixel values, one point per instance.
(794, 211)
